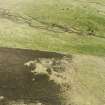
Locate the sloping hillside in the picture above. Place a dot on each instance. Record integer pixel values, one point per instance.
(75, 27)
(69, 26)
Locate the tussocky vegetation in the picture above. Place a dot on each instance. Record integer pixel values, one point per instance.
(75, 27)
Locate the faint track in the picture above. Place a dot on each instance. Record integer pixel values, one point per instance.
(97, 3)
(29, 20)
(56, 28)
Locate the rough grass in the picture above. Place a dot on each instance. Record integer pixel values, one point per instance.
(89, 88)
(70, 26)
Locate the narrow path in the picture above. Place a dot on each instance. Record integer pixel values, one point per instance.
(56, 28)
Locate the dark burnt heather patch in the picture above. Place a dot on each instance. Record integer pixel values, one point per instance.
(16, 80)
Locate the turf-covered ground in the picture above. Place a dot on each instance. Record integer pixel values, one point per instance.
(75, 27)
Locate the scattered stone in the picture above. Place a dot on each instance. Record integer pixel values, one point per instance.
(55, 69)
(1, 97)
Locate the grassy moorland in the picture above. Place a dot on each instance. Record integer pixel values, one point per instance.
(75, 27)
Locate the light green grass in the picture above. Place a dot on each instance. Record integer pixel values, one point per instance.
(22, 36)
(83, 15)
